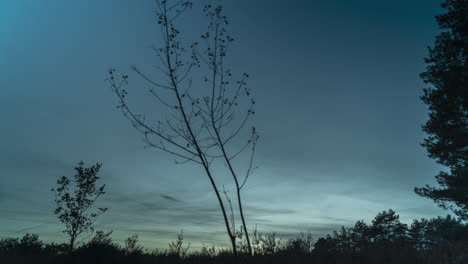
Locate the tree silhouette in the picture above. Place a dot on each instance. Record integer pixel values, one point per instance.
(387, 228)
(74, 206)
(447, 98)
(208, 109)
(132, 247)
(447, 236)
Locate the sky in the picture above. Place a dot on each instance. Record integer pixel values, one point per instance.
(337, 89)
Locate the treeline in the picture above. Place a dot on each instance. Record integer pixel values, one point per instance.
(388, 240)
(385, 240)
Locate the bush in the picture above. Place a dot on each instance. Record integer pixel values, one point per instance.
(28, 245)
(132, 248)
(101, 245)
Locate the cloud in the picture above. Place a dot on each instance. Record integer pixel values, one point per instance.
(28, 229)
(40, 162)
(163, 215)
(170, 198)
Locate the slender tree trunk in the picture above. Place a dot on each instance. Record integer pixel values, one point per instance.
(239, 200)
(195, 142)
(72, 244)
(220, 142)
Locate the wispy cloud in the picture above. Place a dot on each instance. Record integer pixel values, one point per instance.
(170, 198)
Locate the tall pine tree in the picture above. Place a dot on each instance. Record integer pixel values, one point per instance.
(447, 98)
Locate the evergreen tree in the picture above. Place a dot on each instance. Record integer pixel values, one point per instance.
(447, 98)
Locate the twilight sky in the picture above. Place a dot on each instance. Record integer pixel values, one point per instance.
(337, 90)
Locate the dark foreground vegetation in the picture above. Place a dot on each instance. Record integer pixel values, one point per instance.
(385, 240)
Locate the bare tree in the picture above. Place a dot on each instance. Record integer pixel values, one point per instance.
(74, 204)
(209, 110)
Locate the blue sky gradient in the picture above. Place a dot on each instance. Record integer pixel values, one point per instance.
(337, 87)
